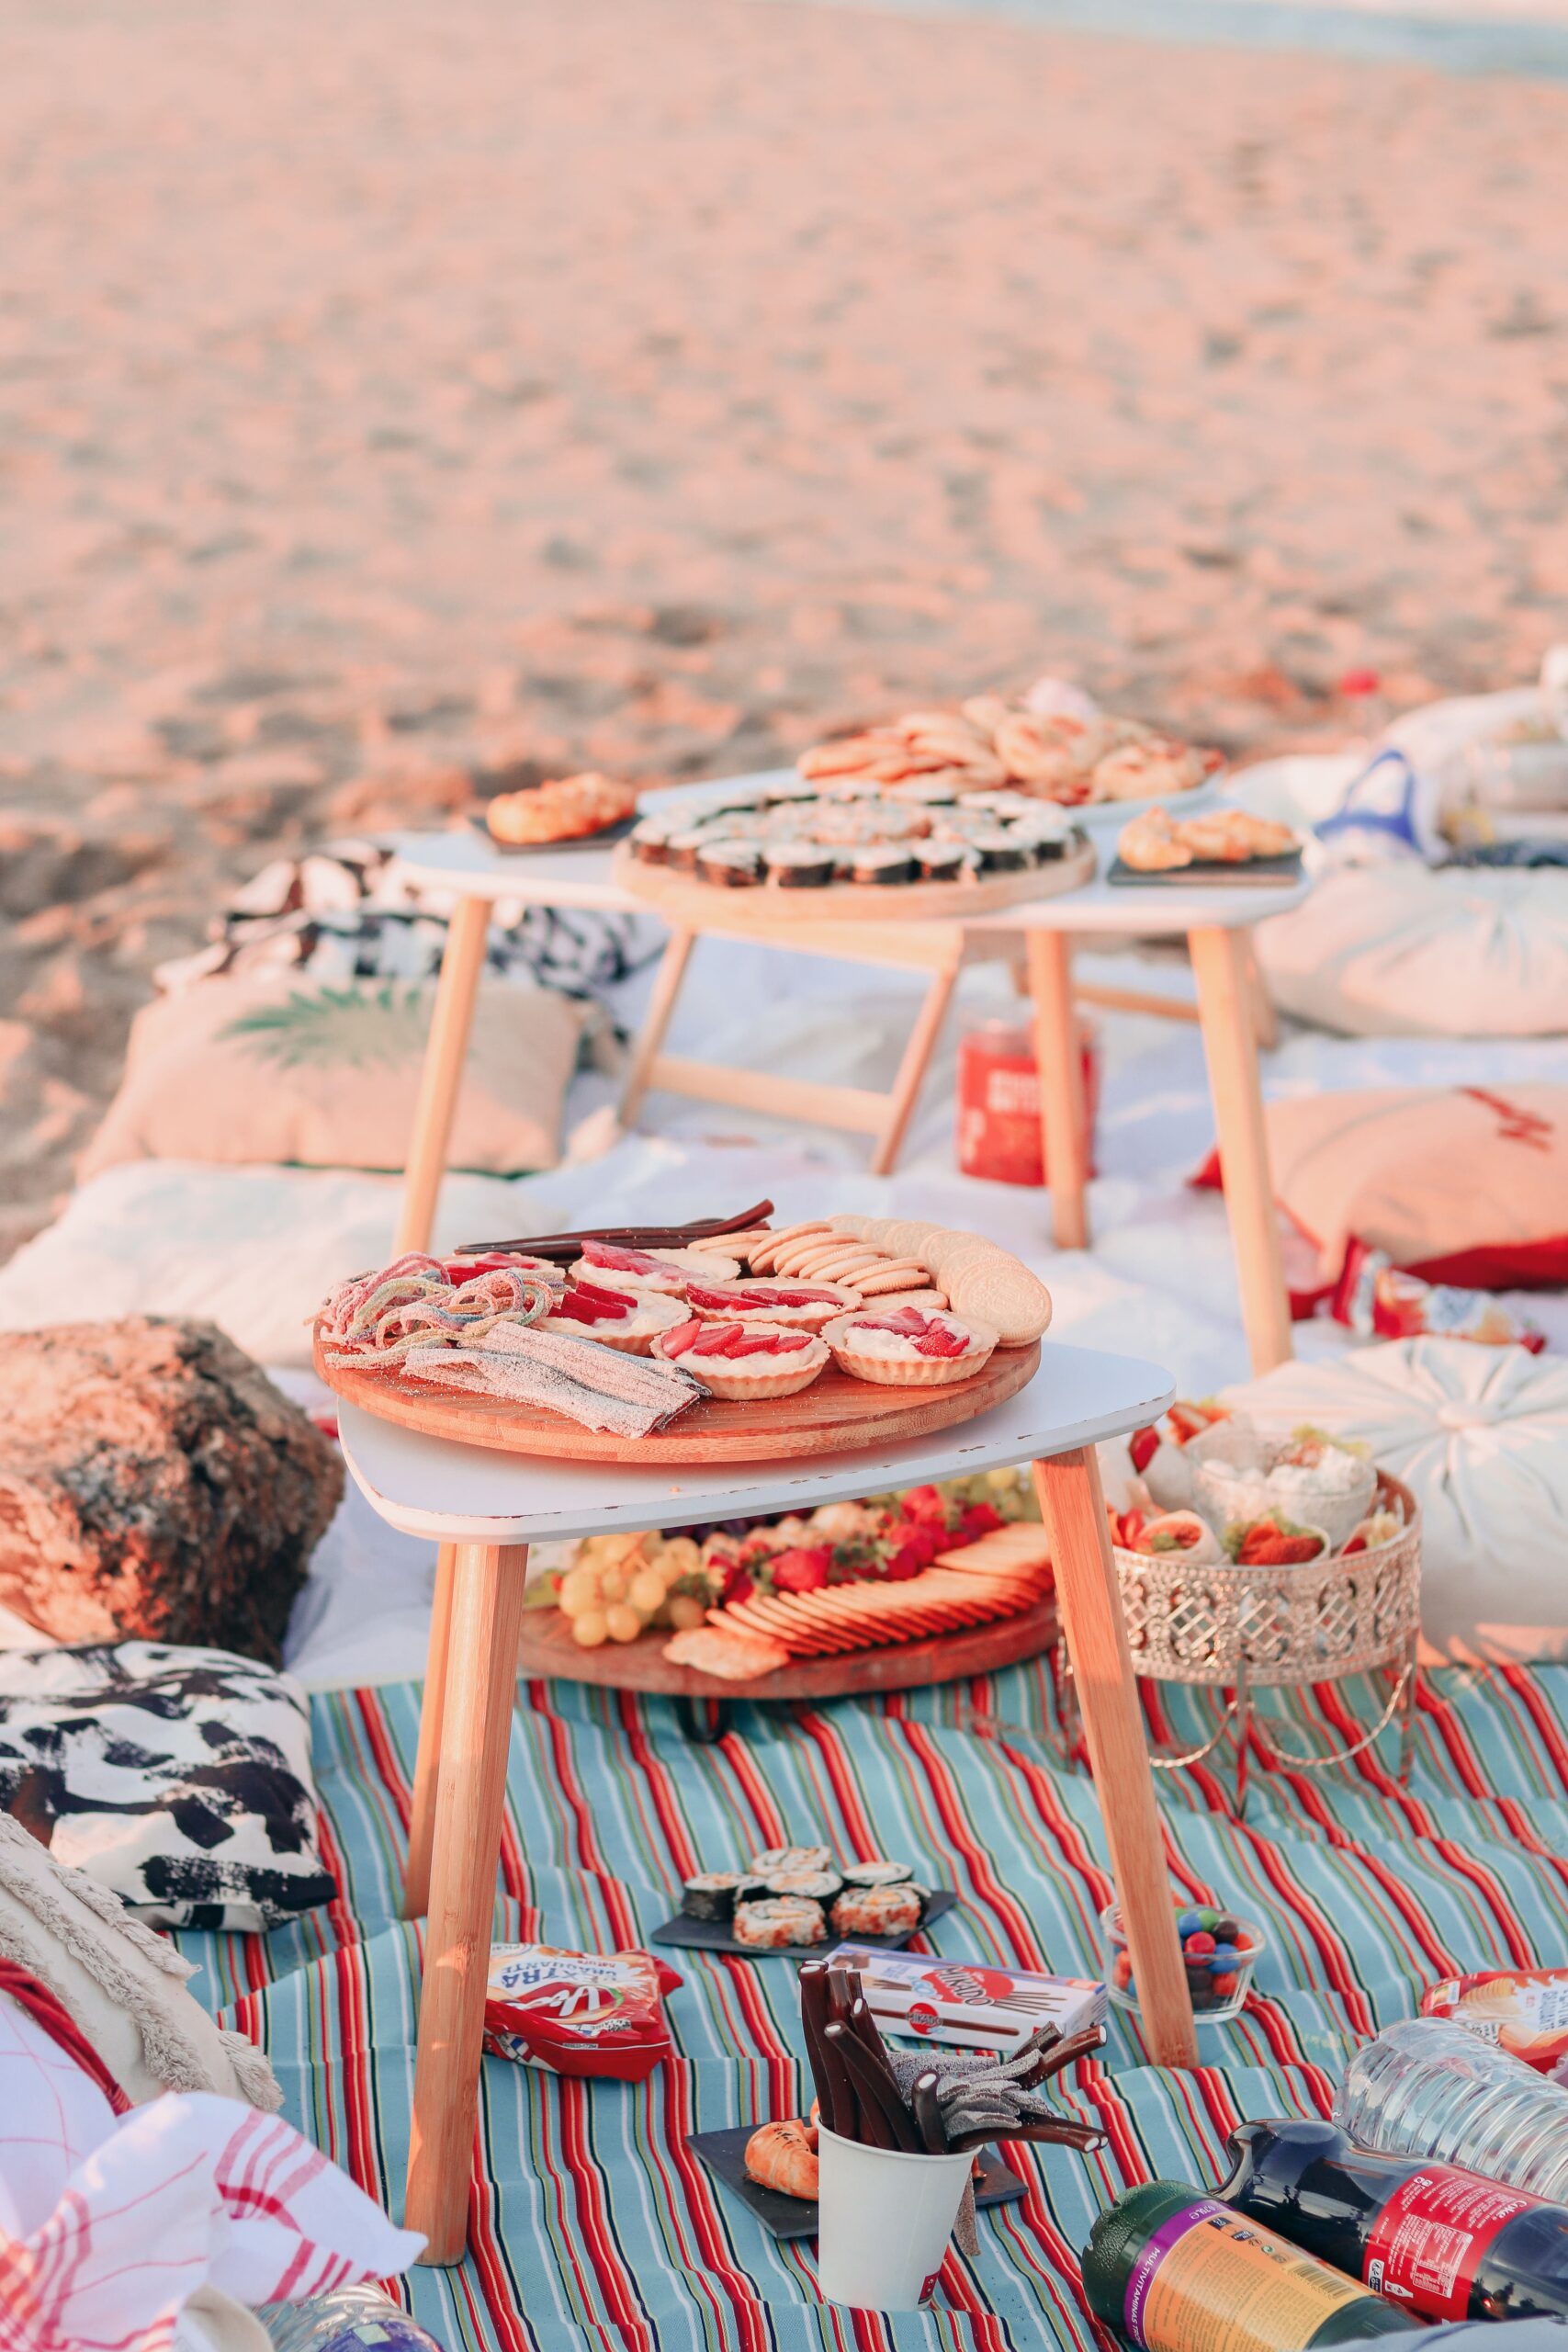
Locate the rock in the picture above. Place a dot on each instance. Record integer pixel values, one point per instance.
(153, 1483)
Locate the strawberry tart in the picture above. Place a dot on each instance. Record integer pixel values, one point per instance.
(649, 1270)
(801, 1307)
(743, 1361)
(909, 1347)
(627, 1320)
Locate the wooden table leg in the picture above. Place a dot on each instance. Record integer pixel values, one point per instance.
(481, 1689)
(1265, 1020)
(912, 1068)
(1062, 1116)
(1226, 1008)
(444, 1055)
(427, 1761)
(660, 1009)
(1090, 1604)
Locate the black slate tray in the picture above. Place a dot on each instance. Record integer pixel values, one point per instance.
(713, 1934)
(724, 2152)
(606, 840)
(1283, 872)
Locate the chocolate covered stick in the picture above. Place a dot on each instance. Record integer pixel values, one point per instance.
(813, 2017)
(876, 2087)
(874, 2129)
(928, 2115)
(843, 1990)
(567, 1246)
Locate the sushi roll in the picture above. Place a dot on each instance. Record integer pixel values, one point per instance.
(683, 848)
(798, 865)
(1001, 851)
(650, 840)
(711, 1894)
(880, 1910)
(940, 861)
(791, 789)
(730, 864)
(852, 787)
(877, 1873)
(924, 791)
(779, 1921)
(883, 862)
(740, 800)
(817, 1886)
(789, 1858)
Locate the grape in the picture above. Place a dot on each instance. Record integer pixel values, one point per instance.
(686, 1611)
(646, 1591)
(579, 1591)
(613, 1584)
(588, 1629)
(622, 1623)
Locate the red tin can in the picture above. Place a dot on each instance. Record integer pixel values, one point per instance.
(998, 1100)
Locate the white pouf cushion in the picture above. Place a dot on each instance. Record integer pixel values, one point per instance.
(1480, 1436)
(1399, 951)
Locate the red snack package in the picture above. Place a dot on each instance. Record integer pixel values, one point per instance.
(1377, 1299)
(1523, 2010)
(599, 2014)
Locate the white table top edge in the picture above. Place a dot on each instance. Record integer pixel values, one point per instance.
(464, 1494)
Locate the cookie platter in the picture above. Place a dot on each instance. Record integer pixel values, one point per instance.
(732, 1341)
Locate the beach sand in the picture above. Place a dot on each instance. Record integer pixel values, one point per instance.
(391, 393)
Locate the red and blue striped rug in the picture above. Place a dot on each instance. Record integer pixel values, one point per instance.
(591, 2223)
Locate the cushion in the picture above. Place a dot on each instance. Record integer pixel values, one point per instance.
(1458, 1183)
(253, 1249)
(124, 1987)
(1479, 1435)
(179, 1779)
(1398, 951)
(269, 1066)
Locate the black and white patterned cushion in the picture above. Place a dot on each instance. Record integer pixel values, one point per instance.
(178, 1778)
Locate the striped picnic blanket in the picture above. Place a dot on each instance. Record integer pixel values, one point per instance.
(591, 2222)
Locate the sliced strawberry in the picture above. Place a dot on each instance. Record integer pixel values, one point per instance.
(714, 1339)
(977, 1521)
(939, 1341)
(923, 1502)
(738, 1586)
(627, 1261)
(678, 1341)
(1142, 1445)
(717, 1301)
(907, 1321)
(794, 1297)
(586, 1303)
(767, 1343)
(905, 1562)
(802, 1568)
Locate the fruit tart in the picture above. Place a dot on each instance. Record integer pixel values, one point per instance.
(802, 1307)
(668, 1270)
(743, 1361)
(627, 1320)
(909, 1347)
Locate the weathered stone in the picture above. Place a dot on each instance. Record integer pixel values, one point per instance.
(153, 1483)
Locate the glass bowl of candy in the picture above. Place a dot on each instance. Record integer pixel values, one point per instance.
(1219, 1951)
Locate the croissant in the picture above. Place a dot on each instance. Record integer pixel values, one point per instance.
(783, 2156)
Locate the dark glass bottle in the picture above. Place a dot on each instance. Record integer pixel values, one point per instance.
(1174, 2272)
(1444, 2242)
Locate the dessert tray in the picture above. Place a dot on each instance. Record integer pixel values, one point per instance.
(730, 1342)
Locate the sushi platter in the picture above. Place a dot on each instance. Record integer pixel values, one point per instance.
(714, 1935)
(689, 898)
(796, 1902)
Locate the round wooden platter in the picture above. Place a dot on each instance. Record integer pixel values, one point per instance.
(547, 1649)
(835, 1415)
(684, 899)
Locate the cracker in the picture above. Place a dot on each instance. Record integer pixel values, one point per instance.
(918, 1297)
(855, 1227)
(940, 1249)
(846, 1264)
(892, 1277)
(907, 1236)
(1001, 1291)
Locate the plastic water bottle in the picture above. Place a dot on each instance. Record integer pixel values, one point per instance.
(1428, 2089)
(352, 2318)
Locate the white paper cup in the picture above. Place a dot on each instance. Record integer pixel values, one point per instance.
(884, 2221)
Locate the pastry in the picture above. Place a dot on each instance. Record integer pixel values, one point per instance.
(909, 1347)
(783, 2156)
(627, 1320)
(805, 1306)
(567, 810)
(607, 1263)
(743, 1361)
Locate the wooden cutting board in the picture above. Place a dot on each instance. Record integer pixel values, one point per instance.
(835, 1415)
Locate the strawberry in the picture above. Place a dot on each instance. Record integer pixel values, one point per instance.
(923, 1502)
(1142, 1445)
(802, 1568)
(683, 1338)
(626, 1262)
(905, 1562)
(977, 1519)
(1272, 1543)
(737, 1585)
(586, 1303)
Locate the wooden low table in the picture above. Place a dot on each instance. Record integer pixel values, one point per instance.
(1036, 936)
(484, 1508)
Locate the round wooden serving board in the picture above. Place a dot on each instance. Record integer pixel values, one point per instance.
(547, 1649)
(691, 903)
(835, 1415)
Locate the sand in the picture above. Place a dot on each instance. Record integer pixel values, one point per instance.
(392, 393)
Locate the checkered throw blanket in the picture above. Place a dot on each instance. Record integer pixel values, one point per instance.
(591, 2223)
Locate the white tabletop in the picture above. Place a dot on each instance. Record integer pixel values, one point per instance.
(425, 1485)
(468, 864)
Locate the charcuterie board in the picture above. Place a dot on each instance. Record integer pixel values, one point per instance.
(547, 1649)
(836, 1415)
